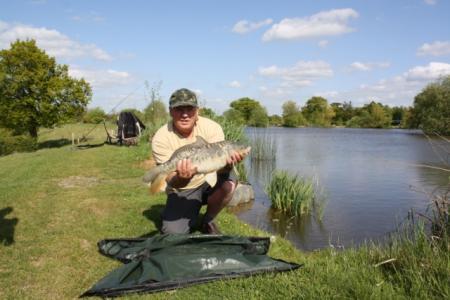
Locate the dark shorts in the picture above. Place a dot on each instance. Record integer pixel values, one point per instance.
(183, 207)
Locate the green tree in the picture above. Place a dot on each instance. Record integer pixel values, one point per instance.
(407, 118)
(245, 106)
(431, 110)
(95, 115)
(35, 91)
(275, 120)
(156, 112)
(250, 111)
(343, 112)
(399, 115)
(234, 116)
(375, 115)
(292, 116)
(258, 117)
(317, 112)
(207, 112)
(372, 115)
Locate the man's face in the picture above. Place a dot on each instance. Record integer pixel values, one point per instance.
(184, 118)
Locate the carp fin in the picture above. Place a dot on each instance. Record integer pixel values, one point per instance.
(199, 142)
(150, 175)
(158, 183)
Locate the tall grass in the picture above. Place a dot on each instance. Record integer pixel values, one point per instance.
(439, 200)
(291, 194)
(264, 147)
(241, 173)
(150, 130)
(233, 131)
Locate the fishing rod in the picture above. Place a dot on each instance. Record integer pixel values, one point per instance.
(84, 136)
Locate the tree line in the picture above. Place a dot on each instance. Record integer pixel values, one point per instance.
(36, 92)
(430, 112)
(317, 112)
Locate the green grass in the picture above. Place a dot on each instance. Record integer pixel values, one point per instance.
(65, 200)
(235, 133)
(291, 194)
(232, 131)
(264, 147)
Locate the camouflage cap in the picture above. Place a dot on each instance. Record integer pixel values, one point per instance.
(183, 97)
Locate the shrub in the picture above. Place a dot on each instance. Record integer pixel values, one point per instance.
(10, 143)
(94, 115)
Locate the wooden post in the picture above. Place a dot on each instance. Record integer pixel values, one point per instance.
(73, 139)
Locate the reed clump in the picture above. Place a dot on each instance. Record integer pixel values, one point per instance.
(233, 131)
(264, 147)
(291, 194)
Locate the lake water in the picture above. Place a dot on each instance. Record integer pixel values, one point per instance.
(371, 178)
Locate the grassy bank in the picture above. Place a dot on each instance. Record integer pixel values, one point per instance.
(58, 202)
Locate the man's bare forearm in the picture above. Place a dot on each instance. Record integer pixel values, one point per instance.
(176, 182)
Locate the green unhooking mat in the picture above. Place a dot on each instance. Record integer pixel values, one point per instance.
(166, 262)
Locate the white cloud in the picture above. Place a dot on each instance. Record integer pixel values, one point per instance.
(3, 25)
(325, 23)
(396, 91)
(430, 72)
(368, 66)
(91, 16)
(245, 26)
(54, 42)
(329, 94)
(437, 48)
(303, 73)
(101, 78)
(235, 84)
(323, 43)
(198, 92)
(430, 2)
(275, 92)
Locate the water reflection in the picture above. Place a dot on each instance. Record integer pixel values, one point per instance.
(297, 226)
(261, 171)
(371, 178)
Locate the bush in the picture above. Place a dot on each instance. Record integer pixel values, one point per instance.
(10, 143)
(94, 115)
(150, 130)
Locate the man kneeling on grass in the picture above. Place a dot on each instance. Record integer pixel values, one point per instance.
(186, 189)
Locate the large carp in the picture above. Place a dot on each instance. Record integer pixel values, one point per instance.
(206, 157)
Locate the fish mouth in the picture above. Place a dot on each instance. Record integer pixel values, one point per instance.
(246, 151)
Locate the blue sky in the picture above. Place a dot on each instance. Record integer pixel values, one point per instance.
(271, 51)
